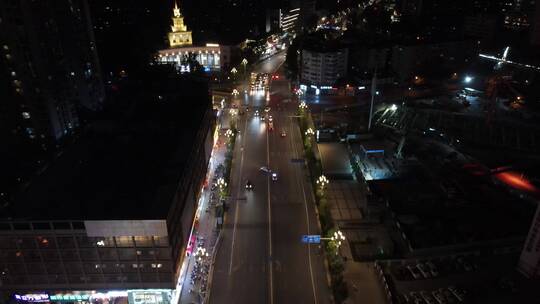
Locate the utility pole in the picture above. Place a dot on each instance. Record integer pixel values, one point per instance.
(373, 92)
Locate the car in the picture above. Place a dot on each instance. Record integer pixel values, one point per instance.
(415, 298)
(439, 297)
(283, 134)
(271, 126)
(427, 297)
(265, 169)
(256, 113)
(423, 270)
(457, 293)
(262, 117)
(274, 176)
(267, 109)
(432, 268)
(249, 185)
(414, 272)
(270, 118)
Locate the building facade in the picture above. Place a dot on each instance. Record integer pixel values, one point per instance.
(323, 68)
(50, 62)
(123, 233)
(213, 57)
(529, 261)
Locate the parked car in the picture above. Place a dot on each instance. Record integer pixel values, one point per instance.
(416, 298)
(414, 272)
(265, 169)
(427, 297)
(424, 270)
(432, 268)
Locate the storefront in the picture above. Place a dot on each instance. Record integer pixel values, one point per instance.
(132, 296)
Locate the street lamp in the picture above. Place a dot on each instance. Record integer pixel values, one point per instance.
(229, 133)
(201, 253)
(336, 239)
(322, 181)
(468, 79)
(234, 70)
(302, 106)
(235, 92)
(309, 132)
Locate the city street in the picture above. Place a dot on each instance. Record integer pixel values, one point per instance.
(261, 258)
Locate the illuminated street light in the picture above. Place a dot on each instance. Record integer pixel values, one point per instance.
(233, 112)
(322, 181)
(229, 133)
(244, 61)
(234, 70)
(393, 107)
(222, 184)
(201, 253)
(235, 92)
(468, 79)
(310, 132)
(336, 239)
(302, 106)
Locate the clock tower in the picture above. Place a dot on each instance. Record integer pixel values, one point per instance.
(179, 36)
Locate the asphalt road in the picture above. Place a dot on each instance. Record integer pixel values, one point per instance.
(261, 258)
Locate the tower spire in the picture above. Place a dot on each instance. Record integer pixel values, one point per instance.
(176, 10)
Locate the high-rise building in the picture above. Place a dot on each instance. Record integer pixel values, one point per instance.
(112, 216)
(51, 74)
(322, 67)
(535, 30)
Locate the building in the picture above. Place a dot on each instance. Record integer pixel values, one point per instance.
(529, 261)
(50, 68)
(179, 36)
(213, 57)
(409, 60)
(288, 19)
(112, 217)
(323, 67)
(535, 31)
(481, 26)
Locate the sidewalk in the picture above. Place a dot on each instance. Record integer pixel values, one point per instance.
(205, 234)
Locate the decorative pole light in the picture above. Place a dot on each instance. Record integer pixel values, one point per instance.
(201, 253)
(229, 134)
(221, 182)
(244, 62)
(337, 238)
(322, 181)
(234, 70)
(235, 92)
(233, 112)
(310, 132)
(302, 105)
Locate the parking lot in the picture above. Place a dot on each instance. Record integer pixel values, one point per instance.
(465, 278)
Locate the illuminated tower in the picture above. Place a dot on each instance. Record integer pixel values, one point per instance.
(179, 36)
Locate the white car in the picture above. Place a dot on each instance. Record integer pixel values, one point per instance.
(265, 169)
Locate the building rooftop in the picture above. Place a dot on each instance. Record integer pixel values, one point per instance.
(126, 167)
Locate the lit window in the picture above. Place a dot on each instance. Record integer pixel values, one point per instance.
(134, 265)
(25, 115)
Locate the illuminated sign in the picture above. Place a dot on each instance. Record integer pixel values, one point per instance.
(32, 298)
(212, 45)
(70, 297)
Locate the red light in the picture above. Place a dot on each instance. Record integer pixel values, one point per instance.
(516, 180)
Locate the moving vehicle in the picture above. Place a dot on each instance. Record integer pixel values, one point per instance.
(249, 185)
(256, 112)
(283, 134)
(265, 169)
(274, 176)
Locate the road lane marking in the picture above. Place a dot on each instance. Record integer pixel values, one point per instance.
(269, 221)
(243, 142)
(298, 181)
